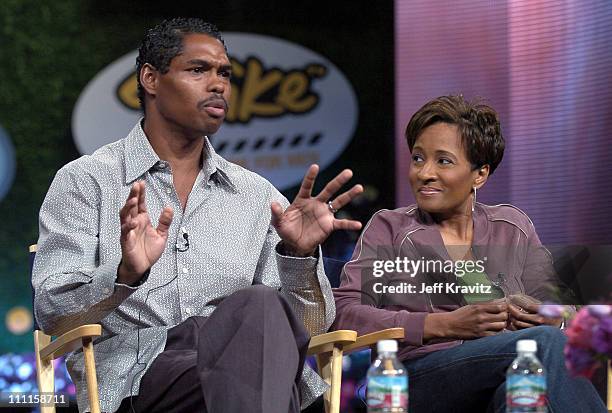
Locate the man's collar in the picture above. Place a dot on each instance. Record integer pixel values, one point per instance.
(215, 164)
(139, 154)
(140, 157)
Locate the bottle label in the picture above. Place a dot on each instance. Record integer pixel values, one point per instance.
(387, 392)
(525, 391)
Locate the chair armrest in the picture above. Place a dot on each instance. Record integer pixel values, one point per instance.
(368, 340)
(325, 342)
(70, 341)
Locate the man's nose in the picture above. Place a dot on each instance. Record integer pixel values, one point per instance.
(217, 85)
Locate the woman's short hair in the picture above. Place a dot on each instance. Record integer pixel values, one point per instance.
(477, 122)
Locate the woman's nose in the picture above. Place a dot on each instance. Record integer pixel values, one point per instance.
(426, 172)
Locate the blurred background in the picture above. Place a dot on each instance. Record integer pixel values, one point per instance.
(317, 81)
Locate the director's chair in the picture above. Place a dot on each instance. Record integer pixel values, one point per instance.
(327, 348)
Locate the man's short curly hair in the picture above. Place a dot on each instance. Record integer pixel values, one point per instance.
(165, 41)
(477, 122)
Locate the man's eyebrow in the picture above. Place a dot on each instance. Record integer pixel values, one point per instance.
(206, 63)
(200, 62)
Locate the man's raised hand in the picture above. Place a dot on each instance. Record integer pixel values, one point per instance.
(141, 244)
(309, 220)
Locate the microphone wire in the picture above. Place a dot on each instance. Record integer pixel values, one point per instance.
(144, 365)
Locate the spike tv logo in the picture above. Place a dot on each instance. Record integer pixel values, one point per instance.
(289, 108)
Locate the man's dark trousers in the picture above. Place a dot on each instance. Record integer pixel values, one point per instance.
(246, 357)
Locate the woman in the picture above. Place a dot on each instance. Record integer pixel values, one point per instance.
(460, 340)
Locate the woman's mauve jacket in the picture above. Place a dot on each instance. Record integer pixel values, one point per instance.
(515, 259)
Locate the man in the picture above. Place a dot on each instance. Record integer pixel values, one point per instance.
(187, 322)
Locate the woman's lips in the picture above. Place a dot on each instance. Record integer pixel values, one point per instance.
(429, 191)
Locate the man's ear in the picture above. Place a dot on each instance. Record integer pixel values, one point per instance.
(148, 79)
(482, 176)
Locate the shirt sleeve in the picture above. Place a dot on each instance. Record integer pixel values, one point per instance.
(71, 287)
(359, 310)
(301, 280)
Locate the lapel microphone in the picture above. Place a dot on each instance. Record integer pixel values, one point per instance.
(185, 246)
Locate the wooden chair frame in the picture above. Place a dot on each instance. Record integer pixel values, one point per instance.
(327, 348)
(48, 350)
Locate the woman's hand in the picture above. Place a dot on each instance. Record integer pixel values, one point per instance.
(529, 317)
(468, 322)
(524, 313)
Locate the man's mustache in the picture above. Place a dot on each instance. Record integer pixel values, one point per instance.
(214, 100)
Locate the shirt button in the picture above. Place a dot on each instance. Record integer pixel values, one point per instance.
(162, 164)
(106, 290)
(169, 191)
(185, 270)
(188, 310)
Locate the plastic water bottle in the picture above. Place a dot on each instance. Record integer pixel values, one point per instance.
(526, 381)
(387, 381)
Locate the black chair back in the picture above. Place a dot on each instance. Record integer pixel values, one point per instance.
(333, 270)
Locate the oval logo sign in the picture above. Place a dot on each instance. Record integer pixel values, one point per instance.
(289, 108)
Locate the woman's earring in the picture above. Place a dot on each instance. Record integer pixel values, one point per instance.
(474, 199)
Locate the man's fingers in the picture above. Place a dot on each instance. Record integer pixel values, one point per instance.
(308, 182)
(130, 202)
(165, 219)
(346, 197)
(277, 212)
(133, 211)
(128, 225)
(124, 213)
(128, 234)
(142, 206)
(126, 228)
(133, 190)
(347, 224)
(334, 185)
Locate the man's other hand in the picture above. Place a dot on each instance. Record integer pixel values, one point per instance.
(141, 244)
(309, 220)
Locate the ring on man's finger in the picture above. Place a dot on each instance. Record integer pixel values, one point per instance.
(331, 207)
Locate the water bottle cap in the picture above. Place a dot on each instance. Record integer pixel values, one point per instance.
(387, 346)
(526, 346)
